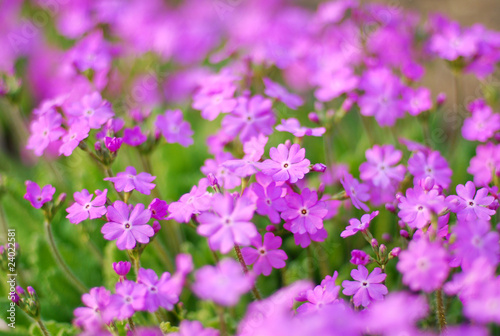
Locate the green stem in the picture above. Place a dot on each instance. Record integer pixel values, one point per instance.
(42, 327)
(222, 322)
(60, 261)
(255, 291)
(440, 311)
(3, 224)
(131, 324)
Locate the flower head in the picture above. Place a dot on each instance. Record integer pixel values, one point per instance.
(356, 225)
(134, 136)
(76, 133)
(174, 128)
(277, 91)
(367, 287)
(357, 192)
(84, 207)
(304, 212)
(130, 180)
(470, 205)
(286, 164)
(38, 196)
(266, 255)
(93, 109)
(293, 126)
(159, 292)
(381, 168)
(194, 202)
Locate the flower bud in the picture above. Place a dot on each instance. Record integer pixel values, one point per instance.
(395, 252)
(441, 99)
(20, 290)
(31, 291)
(319, 167)
(98, 146)
(374, 242)
(113, 144)
(359, 257)
(390, 207)
(387, 237)
(382, 249)
(122, 268)
(156, 226)
(404, 234)
(271, 228)
(313, 117)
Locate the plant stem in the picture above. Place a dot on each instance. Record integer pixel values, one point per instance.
(62, 264)
(222, 322)
(255, 291)
(42, 327)
(440, 311)
(3, 224)
(131, 324)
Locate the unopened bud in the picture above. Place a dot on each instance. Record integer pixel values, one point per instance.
(395, 252)
(319, 167)
(404, 234)
(313, 117)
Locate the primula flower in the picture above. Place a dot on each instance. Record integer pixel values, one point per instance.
(174, 128)
(130, 180)
(122, 268)
(304, 239)
(332, 84)
(359, 257)
(304, 212)
(433, 165)
(225, 176)
(417, 207)
(44, 130)
(113, 144)
(485, 164)
(381, 168)
(134, 136)
(356, 225)
(229, 223)
(89, 317)
(194, 328)
(194, 202)
(159, 292)
(449, 41)
(286, 164)
(93, 109)
(38, 196)
(216, 95)
(483, 123)
(292, 125)
(127, 227)
(484, 306)
(265, 256)
(367, 287)
(251, 117)
(254, 149)
(469, 205)
(277, 91)
(84, 207)
(129, 298)
(269, 201)
(76, 133)
(223, 283)
(424, 265)
(357, 192)
(322, 295)
(158, 209)
(417, 101)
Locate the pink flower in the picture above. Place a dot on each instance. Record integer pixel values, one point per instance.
(356, 225)
(305, 213)
(84, 207)
(159, 292)
(449, 41)
(93, 109)
(127, 227)
(433, 165)
(381, 168)
(130, 180)
(332, 84)
(194, 328)
(357, 192)
(367, 287)
(254, 149)
(38, 196)
(44, 130)
(292, 125)
(223, 284)
(134, 136)
(483, 123)
(359, 257)
(174, 128)
(129, 298)
(265, 256)
(286, 165)
(229, 223)
(158, 209)
(76, 133)
(417, 207)
(269, 201)
(194, 202)
(485, 163)
(424, 265)
(89, 317)
(469, 205)
(417, 101)
(225, 176)
(216, 95)
(277, 91)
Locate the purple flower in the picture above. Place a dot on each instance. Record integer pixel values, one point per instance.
(356, 225)
(216, 95)
(367, 287)
(265, 256)
(194, 328)
(269, 201)
(92, 108)
(417, 101)
(129, 298)
(292, 125)
(113, 144)
(359, 257)
(305, 213)
(159, 292)
(229, 223)
(469, 205)
(483, 307)
(424, 265)
(254, 149)
(433, 165)
(357, 192)
(44, 130)
(223, 283)
(36, 196)
(251, 117)
(318, 298)
(174, 128)
(485, 164)
(483, 124)
(449, 42)
(127, 229)
(76, 133)
(224, 176)
(286, 164)
(332, 84)
(134, 136)
(417, 207)
(130, 180)
(84, 207)
(122, 268)
(194, 202)
(381, 168)
(277, 91)
(304, 239)
(158, 209)
(89, 317)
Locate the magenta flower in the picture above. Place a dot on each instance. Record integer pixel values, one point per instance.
(76, 133)
(424, 265)
(158, 209)
(38, 196)
(485, 164)
(84, 207)
(277, 91)
(127, 227)
(92, 108)
(229, 223)
(417, 101)
(318, 298)
(44, 130)
(292, 125)
(359, 257)
(194, 202)
(304, 212)
(134, 136)
(254, 149)
(129, 298)
(450, 42)
(269, 201)
(130, 180)
(159, 292)
(265, 256)
(223, 283)
(469, 205)
(433, 165)
(225, 176)
(174, 128)
(332, 84)
(417, 207)
(304, 239)
(113, 144)
(367, 287)
(216, 95)
(194, 328)
(356, 225)
(483, 123)
(251, 117)
(89, 317)
(286, 164)
(122, 268)
(381, 168)
(357, 192)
